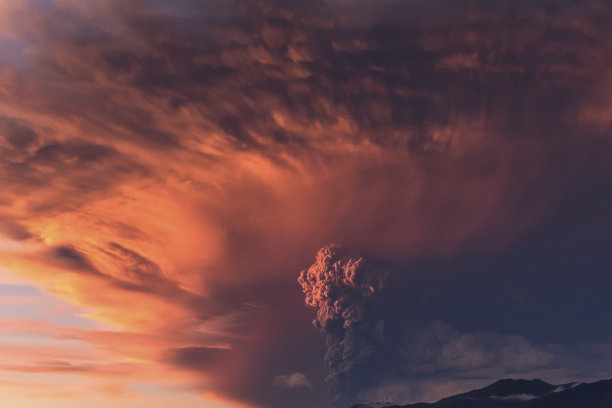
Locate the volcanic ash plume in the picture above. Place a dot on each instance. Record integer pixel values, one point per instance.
(345, 289)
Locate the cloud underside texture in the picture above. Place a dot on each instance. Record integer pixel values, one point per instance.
(170, 169)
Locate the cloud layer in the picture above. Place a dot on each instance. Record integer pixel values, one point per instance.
(167, 169)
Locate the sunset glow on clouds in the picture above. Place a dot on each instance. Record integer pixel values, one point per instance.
(168, 169)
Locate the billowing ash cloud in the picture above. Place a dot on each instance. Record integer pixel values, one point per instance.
(344, 289)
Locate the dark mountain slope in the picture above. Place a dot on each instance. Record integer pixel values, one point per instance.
(593, 395)
(526, 394)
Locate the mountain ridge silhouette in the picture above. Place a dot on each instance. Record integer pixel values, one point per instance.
(519, 393)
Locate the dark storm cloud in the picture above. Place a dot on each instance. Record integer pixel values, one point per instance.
(18, 135)
(197, 358)
(72, 259)
(400, 84)
(77, 152)
(271, 76)
(395, 82)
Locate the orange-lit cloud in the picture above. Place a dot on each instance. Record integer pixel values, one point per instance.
(168, 169)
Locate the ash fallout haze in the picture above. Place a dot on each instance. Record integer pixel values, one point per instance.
(304, 204)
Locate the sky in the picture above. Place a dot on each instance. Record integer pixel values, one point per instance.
(280, 203)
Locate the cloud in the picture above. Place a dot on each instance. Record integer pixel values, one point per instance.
(293, 380)
(16, 133)
(440, 347)
(197, 358)
(344, 289)
(168, 168)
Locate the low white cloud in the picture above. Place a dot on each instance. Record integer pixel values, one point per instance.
(439, 347)
(514, 397)
(294, 380)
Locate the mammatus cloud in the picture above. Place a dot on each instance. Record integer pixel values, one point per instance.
(293, 380)
(344, 289)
